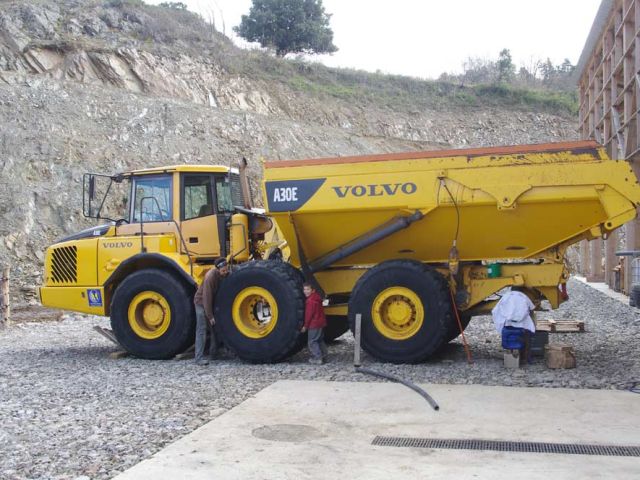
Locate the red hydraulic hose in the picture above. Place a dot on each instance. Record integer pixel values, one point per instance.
(464, 339)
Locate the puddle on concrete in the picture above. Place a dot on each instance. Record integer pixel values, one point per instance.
(287, 433)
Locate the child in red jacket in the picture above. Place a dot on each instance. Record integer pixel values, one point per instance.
(314, 323)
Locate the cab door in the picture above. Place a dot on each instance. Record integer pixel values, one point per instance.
(198, 219)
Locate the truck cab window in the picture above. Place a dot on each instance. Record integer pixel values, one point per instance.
(223, 193)
(228, 192)
(198, 198)
(152, 199)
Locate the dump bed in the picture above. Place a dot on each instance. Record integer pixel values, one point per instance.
(505, 202)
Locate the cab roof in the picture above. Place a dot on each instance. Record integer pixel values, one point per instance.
(184, 168)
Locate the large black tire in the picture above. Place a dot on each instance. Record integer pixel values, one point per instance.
(181, 326)
(284, 283)
(337, 325)
(454, 329)
(433, 292)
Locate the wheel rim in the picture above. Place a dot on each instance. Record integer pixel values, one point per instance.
(149, 315)
(397, 313)
(255, 312)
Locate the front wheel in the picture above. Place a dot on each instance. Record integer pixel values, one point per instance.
(152, 314)
(259, 311)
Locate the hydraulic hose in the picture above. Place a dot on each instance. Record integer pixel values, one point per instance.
(406, 383)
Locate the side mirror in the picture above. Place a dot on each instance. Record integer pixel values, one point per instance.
(89, 195)
(92, 187)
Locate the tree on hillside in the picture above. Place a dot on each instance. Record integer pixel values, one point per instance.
(547, 69)
(288, 26)
(478, 70)
(567, 67)
(536, 74)
(506, 68)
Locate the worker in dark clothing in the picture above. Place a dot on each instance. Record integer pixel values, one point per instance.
(314, 323)
(203, 301)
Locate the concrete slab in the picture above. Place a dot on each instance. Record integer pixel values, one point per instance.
(323, 430)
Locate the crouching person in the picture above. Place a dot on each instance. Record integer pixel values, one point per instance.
(314, 323)
(203, 300)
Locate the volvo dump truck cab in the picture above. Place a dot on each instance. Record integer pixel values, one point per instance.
(165, 227)
(417, 243)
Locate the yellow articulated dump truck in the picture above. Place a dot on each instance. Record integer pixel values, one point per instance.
(410, 241)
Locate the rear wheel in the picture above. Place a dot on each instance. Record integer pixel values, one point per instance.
(405, 309)
(259, 311)
(152, 314)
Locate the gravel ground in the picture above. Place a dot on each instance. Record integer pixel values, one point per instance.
(68, 411)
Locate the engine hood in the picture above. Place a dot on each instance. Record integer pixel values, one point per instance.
(98, 231)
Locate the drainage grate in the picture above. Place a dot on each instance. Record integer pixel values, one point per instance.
(502, 446)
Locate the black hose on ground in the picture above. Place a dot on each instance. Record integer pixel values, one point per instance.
(406, 383)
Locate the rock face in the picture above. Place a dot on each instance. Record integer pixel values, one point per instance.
(107, 86)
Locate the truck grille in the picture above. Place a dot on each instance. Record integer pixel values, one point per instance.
(64, 265)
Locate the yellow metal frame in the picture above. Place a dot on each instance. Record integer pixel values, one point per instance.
(339, 309)
(182, 169)
(339, 280)
(73, 298)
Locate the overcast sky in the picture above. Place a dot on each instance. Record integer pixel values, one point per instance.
(424, 38)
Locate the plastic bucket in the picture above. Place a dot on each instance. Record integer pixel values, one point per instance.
(513, 338)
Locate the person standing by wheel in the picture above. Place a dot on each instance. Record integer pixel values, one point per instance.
(203, 300)
(314, 323)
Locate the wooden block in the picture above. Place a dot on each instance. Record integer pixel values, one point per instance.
(559, 356)
(567, 326)
(543, 326)
(560, 326)
(106, 333)
(118, 354)
(187, 354)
